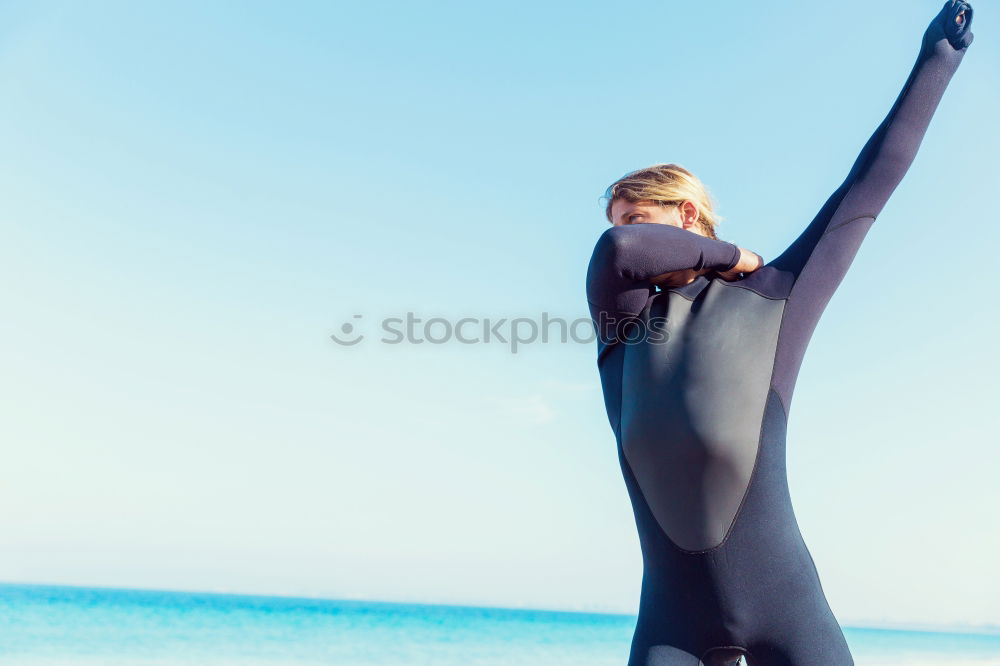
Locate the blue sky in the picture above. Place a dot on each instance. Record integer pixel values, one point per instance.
(196, 195)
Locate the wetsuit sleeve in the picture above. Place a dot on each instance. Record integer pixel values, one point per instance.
(627, 257)
(818, 259)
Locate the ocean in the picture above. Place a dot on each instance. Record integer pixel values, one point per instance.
(42, 625)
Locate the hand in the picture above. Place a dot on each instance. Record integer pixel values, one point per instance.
(950, 28)
(748, 263)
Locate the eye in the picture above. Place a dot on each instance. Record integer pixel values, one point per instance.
(631, 218)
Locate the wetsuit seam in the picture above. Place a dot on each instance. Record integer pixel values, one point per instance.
(727, 284)
(846, 222)
(781, 402)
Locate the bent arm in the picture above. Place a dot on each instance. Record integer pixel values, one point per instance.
(627, 258)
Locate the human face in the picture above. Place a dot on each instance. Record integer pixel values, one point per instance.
(683, 214)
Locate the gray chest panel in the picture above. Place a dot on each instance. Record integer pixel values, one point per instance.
(693, 401)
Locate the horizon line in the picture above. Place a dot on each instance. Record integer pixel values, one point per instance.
(986, 628)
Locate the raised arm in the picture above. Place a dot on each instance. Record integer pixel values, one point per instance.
(890, 150)
(815, 264)
(626, 258)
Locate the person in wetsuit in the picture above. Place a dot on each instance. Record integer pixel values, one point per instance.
(698, 380)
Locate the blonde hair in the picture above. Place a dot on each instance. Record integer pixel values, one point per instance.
(665, 184)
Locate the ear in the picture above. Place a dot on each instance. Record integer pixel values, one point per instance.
(689, 214)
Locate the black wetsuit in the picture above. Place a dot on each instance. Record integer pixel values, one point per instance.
(698, 381)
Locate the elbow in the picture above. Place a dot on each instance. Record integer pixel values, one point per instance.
(610, 258)
(613, 238)
(612, 246)
(619, 243)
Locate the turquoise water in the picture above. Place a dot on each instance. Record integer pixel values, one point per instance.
(50, 625)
